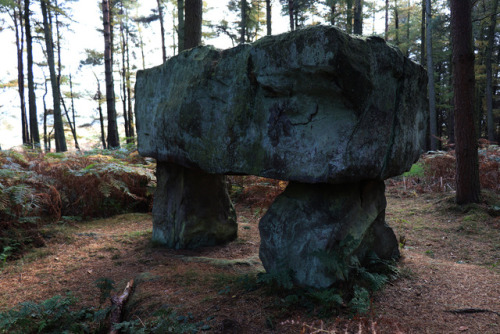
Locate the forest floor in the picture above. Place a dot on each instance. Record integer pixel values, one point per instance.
(450, 262)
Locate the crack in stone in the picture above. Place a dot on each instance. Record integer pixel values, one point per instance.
(309, 118)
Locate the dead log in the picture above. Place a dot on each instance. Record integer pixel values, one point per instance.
(117, 303)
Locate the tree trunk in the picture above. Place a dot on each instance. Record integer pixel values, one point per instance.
(73, 113)
(467, 165)
(113, 138)
(358, 17)
(333, 9)
(243, 22)
(396, 22)
(349, 16)
(46, 139)
(422, 35)
(386, 31)
(35, 134)
(18, 25)
(162, 32)
(56, 94)
(131, 131)
(99, 109)
(430, 83)
(181, 26)
(192, 24)
(123, 75)
(71, 125)
(290, 14)
(489, 72)
(268, 17)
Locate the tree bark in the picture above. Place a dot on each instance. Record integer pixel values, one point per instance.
(56, 94)
(489, 72)
(422, 35)
(162, 32)
(123, 45)
(113, 138)
(243, 22)
(181, 25)
(358, 17)
(17, 17)
(35, 134)
(349, 16)
(99, 109)
(386, 31)
(192, 24)
(467, 165)
(290, 13)
(118, 302)
(333, 9)
(131, 131)
(430, 74)
(268, 17)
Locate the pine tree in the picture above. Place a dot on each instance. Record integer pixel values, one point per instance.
(60, 138)
(467, 174)
(113, 138)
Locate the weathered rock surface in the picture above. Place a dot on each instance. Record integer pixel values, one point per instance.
(317, 232)
(332, 113)
(191, 208)
(314, 106)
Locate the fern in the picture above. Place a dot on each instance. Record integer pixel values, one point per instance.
(360, 303)
(281, 280)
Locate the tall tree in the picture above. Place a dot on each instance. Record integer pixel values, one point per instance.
(35, 134)
(243, 22)
(162, 30)
(60, 139)
(113, 138)
(430, 74)
(489, 71)
(422, 34)
(269, 18)
(358, 17)
(193, 21)
(180, 24)
(290, 14)
(386, 31)
(17, 18)
(467, 165)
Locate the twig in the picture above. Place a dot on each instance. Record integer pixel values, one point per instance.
(118, 302)
(472, 310)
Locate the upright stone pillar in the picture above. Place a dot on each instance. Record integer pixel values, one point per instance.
(191, 208)
(317, 232)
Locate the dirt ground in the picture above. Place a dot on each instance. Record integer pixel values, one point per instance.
(449, 278)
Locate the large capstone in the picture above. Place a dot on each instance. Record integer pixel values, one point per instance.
(333, 114)
(313, 106)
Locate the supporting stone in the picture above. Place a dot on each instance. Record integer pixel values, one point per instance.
(318, 231)
(191, 208)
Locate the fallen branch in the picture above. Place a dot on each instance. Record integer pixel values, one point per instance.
(117, 303)
(472, 310)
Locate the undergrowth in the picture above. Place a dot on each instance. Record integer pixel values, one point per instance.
(57, 315)
(436, 172)
(37, 188)
(351, 294)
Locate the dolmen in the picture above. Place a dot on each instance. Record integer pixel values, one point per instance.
(333, 114)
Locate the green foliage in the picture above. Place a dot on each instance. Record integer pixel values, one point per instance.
(417, 170)
(277, 281)
(105, 286)
(50, 316)
(360, 302)
(37, 188)
(56, 315)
